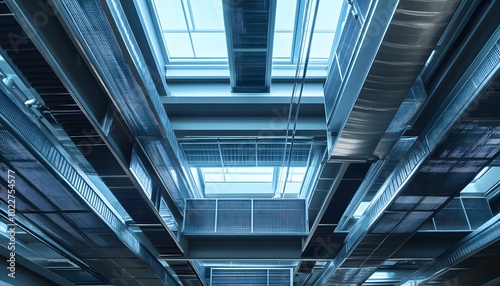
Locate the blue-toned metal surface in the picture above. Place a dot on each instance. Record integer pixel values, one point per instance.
(484, 236)
(248, 276)
(411, 35)
(61, 164)
(249, 29)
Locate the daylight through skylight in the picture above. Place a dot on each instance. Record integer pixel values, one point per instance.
(193, 30)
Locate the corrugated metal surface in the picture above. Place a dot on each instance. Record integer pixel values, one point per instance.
(410, 38)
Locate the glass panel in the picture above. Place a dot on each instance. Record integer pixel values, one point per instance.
(282, 48)
(210, 45)
(170, 14)
(178, 45)
(328, 15)
(285, 15)
(238, 175)
(207, 14)
(321, 45)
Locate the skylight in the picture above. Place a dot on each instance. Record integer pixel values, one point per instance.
(249, 182)
(193, 31)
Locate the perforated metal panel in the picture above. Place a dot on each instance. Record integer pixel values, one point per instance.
(275, 216)
(245, 216)
(234, 216)
(200, 216)
(247, 276)
(452, 217)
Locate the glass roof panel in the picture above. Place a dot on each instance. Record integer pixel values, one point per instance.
(193, 32)
(325, 27)
(192, 29)
(182, 48)
(170, 15)
(208, 45)
(207, 14)
(249, 182)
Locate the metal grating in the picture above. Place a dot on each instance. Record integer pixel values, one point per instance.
(343, 55)
(477, 210)
(234, 216)
(279, 216)
(245, 216)
(199, 216)
(350, 276)
(452, 217)
(248, 276)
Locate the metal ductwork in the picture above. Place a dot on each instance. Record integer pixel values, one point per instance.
(438, 167)
(70, 202)
(249, 29)
(461, 260)
(107, 35)
(412, 31)
(78, 103)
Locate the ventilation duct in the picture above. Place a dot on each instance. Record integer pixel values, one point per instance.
(249, 29)
(109, 46)
(69, 202)
(408, 34)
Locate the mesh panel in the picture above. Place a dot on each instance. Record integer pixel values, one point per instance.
(258, 277)
(234, 216)
(200, 216)
(249, 154)
(452, 217)
(430, 203)
(412, 221)
(238, 154)
(278, 277)
(388, 222)
(202, 155)
(405, 203)
(271, 216)
(478, 211)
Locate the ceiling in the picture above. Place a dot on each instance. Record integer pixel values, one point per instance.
(190, 142)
